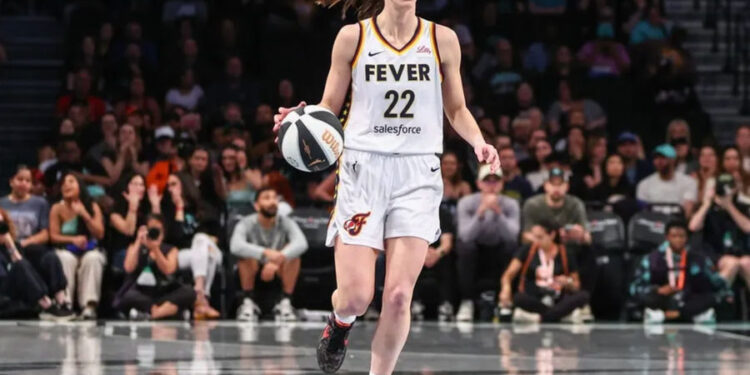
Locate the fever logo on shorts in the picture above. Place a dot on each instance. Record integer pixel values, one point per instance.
(354, 225)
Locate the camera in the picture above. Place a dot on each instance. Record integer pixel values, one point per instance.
(153, 233)
(725, 184)
(4, 228)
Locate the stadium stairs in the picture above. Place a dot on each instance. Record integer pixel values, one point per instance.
(715, 79)
(29, 84)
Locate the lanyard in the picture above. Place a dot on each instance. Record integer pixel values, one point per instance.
(680, 282)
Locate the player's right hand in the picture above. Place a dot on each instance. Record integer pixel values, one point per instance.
(279, 118)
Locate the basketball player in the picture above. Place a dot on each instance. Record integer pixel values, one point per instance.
(403, 72)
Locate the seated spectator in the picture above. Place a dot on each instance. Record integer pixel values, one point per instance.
(79, 114)
(82, 91)
(731, 163)
(521, 136)
(129, 213)
(232, 89)
(630, 149)
(742, 141)
(614, 186)
(262, 133)
(556, 204)
(165, 160)
(588, 172)
(538, 177)
(651, 28)
(440, 265)
(574, 144)
(604, 56)
(534, 166)
(678, 135)
(667, 186)
(207, 177)
(251, 173)
(488, 225)
(269, 244)
(549, 288)
(32, 286)
(151, 290)
(514, 184)
(30, 217)
(707, 170)
(133, 34)
(454, 186)
(677, 284)
(85, 58)
(69, 159)
(240, 186)
(593, 113)
(286, 95)
(522, 100)
(132, 65)
(66, 128)
(107, 138)
(137, 99)
(188, 94)
(504, 77)
(724, 221)
(76, 226)
(126, 156)
(192, 226)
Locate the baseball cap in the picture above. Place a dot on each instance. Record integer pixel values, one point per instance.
(164, 132)
(557, 172)
(666, 150)
(627, 137)
(484, 172)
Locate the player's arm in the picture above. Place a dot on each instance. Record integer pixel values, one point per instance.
(454, 100)
(339, 76)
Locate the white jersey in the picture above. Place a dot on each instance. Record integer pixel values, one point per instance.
(396, 102)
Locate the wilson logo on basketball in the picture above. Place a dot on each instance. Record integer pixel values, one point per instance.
(331, 141)
(354, 225)
(424, 49)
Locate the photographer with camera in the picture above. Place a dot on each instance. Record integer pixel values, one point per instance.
(723, 218)
(20, 281)
(152, 291)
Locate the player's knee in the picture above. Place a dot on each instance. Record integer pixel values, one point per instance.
(355, 303)
(398, 298)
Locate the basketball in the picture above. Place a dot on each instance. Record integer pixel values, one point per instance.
(311, 138)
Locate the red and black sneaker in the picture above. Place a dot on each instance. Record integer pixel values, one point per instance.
(332, 345)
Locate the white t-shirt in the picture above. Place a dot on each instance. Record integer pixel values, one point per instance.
(679, 189)
(189, 100)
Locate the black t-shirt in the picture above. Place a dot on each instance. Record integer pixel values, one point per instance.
(531, 272)
(721, 235)
(119, 241)
(146, 266)
(446, 223)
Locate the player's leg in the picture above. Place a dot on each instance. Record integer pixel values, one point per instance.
(355, 285)
(404, 257)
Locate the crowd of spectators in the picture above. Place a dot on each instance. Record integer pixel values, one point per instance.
(164, 143)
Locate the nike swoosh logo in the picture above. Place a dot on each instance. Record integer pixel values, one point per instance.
(371, 54)
(434, 169)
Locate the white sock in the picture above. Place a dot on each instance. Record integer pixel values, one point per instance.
(372, 373)
(345, 319)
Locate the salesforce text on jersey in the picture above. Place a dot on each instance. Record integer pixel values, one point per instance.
(397, 130)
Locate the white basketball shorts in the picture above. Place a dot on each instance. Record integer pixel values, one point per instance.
(382, 196)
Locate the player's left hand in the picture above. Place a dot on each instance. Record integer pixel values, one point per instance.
(488, 154)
